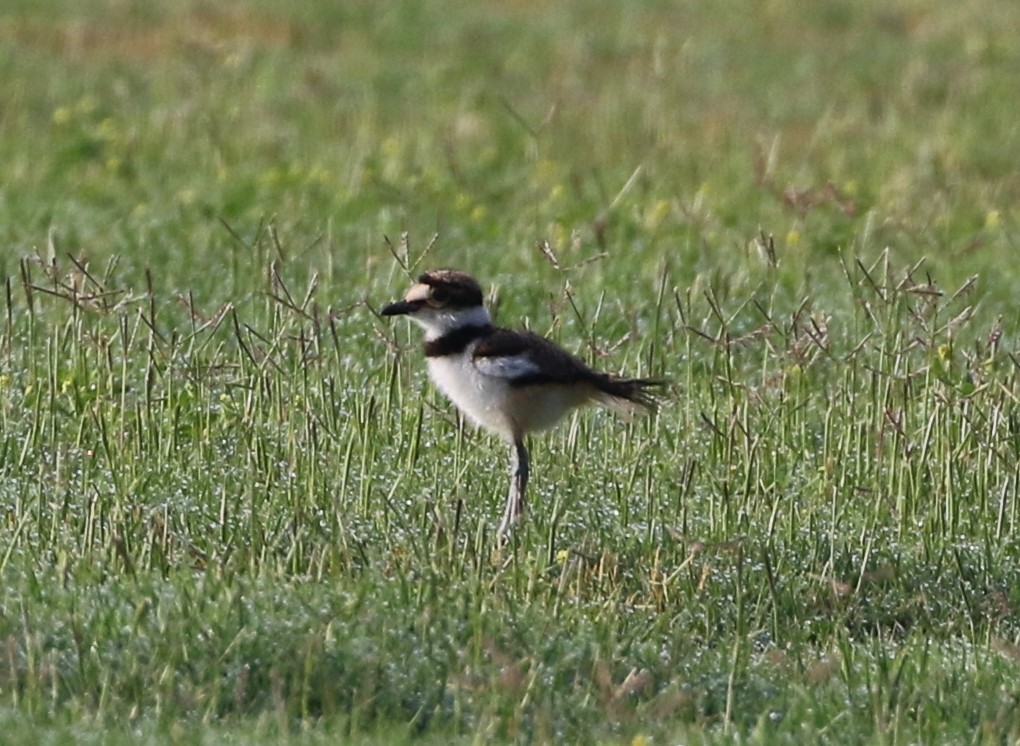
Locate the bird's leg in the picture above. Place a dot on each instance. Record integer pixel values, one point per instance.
(520, 465)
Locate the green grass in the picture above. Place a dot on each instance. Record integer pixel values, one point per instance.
(233, 510)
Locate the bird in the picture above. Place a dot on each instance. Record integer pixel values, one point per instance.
(508, 382)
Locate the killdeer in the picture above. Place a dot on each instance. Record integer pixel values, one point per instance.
(508, 382)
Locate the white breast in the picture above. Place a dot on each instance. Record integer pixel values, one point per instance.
(482, 398)
(482, 390)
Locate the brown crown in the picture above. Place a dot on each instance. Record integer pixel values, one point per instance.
(451, 288)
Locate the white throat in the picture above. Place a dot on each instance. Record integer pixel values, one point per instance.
(438, 322)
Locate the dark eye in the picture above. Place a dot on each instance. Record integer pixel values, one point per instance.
(439, 296)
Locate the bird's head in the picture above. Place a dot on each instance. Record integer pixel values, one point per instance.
(441, 301)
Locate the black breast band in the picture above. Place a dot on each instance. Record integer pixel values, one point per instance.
(455, 342)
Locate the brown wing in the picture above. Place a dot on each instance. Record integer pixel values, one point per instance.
(526, 359)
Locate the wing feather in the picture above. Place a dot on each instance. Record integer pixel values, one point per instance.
(525, 358)
(510, 367)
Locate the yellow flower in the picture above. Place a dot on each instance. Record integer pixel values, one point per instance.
(108, 128)
(992, 219)
(391, 149)
(272, 177)
(545, 170)
(61, 115)
(548, 174)
(318, 175)
(655, 214)
(560, 235)
(793, 238)
(86, 105)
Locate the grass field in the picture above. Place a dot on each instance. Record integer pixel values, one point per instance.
(234, 510)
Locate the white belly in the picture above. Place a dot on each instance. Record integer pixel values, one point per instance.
(492, 403)
(482, 399)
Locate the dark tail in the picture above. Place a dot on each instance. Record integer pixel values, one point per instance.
(627, 396)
